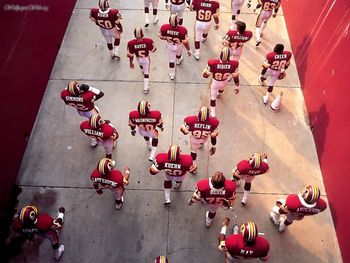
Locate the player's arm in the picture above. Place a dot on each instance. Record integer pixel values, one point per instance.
(266, 64)
(225, 40)
(235, 76)
(154, 169)
(132, 126)
(154, 49)
(160, 35)
(97, 186)
(186, 44)
(185, 128)
(222, 235)
(275, 11)
(235, 173)
(130, 55)
(126, 175)
(206, 72)
(196, 197)
(216, 19)
(98, 94)
(160, 124)
(91, 18)
(119, 25)
(213, 136)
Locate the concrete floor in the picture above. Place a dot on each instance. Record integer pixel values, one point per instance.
(58, 161)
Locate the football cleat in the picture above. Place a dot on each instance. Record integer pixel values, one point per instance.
(167, 202)
(203, 39)
(212, 112)
(282, 226)
(116, 54)
(179, 60)
(261, 80)
(155, 20)
(171, 75)
(196, 55)
(208, 221)
(177, 185)
(264, 98)
(146, 89)
(58, 252)
(244, 201)
(93, 143)
(119, 206)
(146, 22)
(258, 43)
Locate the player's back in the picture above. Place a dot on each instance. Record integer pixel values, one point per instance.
(105, 19)
(237, 247)
(205, 9)
(222, 70)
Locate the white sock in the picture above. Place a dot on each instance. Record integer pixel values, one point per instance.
(197, 51)
(262, 27)
(146, 17)
(167, 194)
(245, 194)
(267, 94)
(257, 33)
(153, 152)
(145, 82)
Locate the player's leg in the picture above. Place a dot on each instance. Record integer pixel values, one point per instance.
(272, 76)
(264, 24)
(210, 214)
(118, 197)
(116, 43)
(236, 10)
(172, 59)
(258, 23)
(206, 28)
(109, 40)
(275, 215)
(180, 11)
(215, 90)
(284, 222)
(108, 145)
(178, 181)
(237, 53)
(167, 189)
(146, 10)
(154, 143)
(247, 187)
(198, 31)
(178, 51)
(155, 11)
(145, 67)
(195, 145)
(58, 249)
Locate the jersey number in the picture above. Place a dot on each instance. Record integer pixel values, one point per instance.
(221, 76)
(198, 134)
(214, 200)
(78, 106)
(173, 40)
(105, 24)
(204, 15)
(269, 6)
(278, 64)
(146, 127)
(173, 172)
(236, 45)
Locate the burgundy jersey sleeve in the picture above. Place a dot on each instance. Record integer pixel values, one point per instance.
(214, 123)
(117, 177)
(107, 131)
(17, 225)
(243, 167)
(44, 223)
(293, 202)
(150, 45)
(131, 49)
(215, 7)
(161, 158)
(270, 57)
(212, 65)
(186, 162)
(157, 116)
(132, 116)
(189, 122)
(183, 33)
(94, 174)
(84, 125)
(94, 13)
(163, 30)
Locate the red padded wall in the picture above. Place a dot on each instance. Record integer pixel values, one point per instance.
(320, 37)
(31, 34)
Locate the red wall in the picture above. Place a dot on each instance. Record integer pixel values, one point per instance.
(320, 36)
(30, 40)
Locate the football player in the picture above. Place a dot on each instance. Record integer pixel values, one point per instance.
(29, 222)
(245, 243)
(101, 132)
(247, 170)
(155, 11)
(201, 127)
(221, 70)
(82, 97)
(147, 121)
(177, 7)
(141, 48)
(236, 38)
(176, 37)
(274, 67)
(236, 9)
(205, 10)
(215, 192)
(268, 8)
(297, 206)
(175, 166)
(108, 20)
(105, 177)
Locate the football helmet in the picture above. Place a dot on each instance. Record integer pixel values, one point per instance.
(73, 88)
(174, 20)
(103, 4)
(28, 215)
(249, 231)
(225, 54)
(174, 153)
(95, 121)
(255, 160)
(161, 259)
(310, 193)
(203, 114)
(138, 32)
(105, 165)
(143, 107)
(218, 180)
